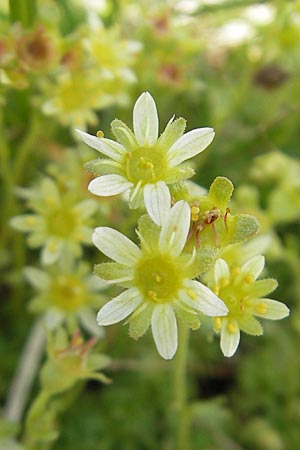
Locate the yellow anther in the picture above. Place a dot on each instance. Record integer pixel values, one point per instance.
(158, 278)
(261, 308)
(232, 328)
(100, 134)
(217, 323)
(148, 165)
(195, 213)
(224, 282)
(152, 295)
(191, 294)
(128, 155)
(235, 271)
(249, 279)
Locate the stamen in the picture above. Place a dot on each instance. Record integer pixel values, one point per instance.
(195, 213)
(217, 323)
(158, 278)
(136, 189)
(100, 134)
(216, 239)
(152, 295)
(144, 243)
(128, 158)
(225, 218)
(192, 258)
(249, 278)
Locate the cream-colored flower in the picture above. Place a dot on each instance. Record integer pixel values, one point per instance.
(242, 293)
(142, 162)
(158, 277)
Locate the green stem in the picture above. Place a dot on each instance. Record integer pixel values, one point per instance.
(180, 390)
(23, 11)
(26, 148)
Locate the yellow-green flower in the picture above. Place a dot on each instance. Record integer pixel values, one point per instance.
(66, 294)
(143, 163)
(59, 222)
(244, 296)
(158, 277)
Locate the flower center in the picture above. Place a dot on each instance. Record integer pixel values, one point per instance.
(61, 223)
(68, 293)
(158, 279)
(145, 164)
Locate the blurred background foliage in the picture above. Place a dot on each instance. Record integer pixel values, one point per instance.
(230, 64)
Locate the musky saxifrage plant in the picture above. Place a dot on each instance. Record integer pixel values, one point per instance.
(159, 277)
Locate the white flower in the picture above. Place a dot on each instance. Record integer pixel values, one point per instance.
(142, 162)
(158, 277)
(240, 290)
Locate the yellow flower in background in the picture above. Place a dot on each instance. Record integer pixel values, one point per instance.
(66, 293)
(59, 221)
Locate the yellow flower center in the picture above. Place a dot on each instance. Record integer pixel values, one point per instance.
(158, 278)
(62, 222)
(68, 293)
(145, 164)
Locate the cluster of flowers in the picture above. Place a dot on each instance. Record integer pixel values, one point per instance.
(51, 65)
(184, 236)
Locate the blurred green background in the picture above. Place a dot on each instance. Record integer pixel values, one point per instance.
(232, 65)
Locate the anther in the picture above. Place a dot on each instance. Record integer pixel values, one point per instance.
(152, 295)
(100, 134)
(158, 278)
(249, 278)
(217, 323)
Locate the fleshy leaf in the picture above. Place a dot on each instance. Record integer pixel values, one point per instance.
(220, 192)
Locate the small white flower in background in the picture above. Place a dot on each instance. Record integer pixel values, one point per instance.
(158, 277)
(240, 290)
(141, 161)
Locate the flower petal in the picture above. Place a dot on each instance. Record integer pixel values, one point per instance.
(200, 297)
(254, 266)
(174, 231)
(157, 200)
(26, 222)
(37, 278)
(145, 120)
(108, 185)
(107, 147)
(116, 246)
(120, 307)
(221, 271)
(189, 145)
(164, 330)
(229, 340)
(270, 309)
(52, 251)
(86, 208)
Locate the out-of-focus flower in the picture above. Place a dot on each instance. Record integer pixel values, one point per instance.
(143, 163)
(159, 280)
(68, 294)
(244, 296)
(59, 222)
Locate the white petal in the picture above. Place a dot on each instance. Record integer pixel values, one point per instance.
(164, 330)
(87, 320)
(52, 251)
(221, 271)
(229, 341)
(108, 185)
(201, 298)
(254, 266)
(120, 307)
(175, 229)
(86, 208)
(37, 278)
(145, 120)
(107, 147)
(274, 310)
(157, 200)
(116, 246)
(189, 145)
